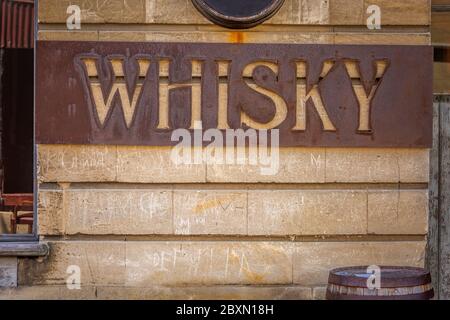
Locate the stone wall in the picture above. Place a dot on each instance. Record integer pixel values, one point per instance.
(138, 226)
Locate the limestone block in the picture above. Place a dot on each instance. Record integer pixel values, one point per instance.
(313, 260)
(118, 211)
(76, 163)
(309, 212)
(401, 212)
(154, 165)
(210, 212)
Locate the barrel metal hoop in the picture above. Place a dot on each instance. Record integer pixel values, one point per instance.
(427, 295)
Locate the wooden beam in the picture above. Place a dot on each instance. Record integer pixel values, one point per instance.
(2, 51)
(444, 195)
(440, 8)
(441, 78)
(432, 257)
(440, 28)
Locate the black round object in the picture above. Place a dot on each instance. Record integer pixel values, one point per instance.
(238, 14)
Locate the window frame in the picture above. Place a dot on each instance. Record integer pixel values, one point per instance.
(28, 242)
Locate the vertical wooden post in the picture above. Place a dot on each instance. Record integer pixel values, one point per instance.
(432, 259)
(444, 195)
(2, 51)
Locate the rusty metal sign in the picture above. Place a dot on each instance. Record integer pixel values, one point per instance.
(315, 95)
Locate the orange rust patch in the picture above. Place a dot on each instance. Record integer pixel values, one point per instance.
(253, 277)
(213, 203)
(236, 37)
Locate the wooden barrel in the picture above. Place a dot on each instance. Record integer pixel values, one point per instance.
(396, 283)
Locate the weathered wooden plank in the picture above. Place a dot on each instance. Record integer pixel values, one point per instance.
(444, 191)
(432, 254)
(441, 78)
(440, 2)
(1, 118)
(440, 27)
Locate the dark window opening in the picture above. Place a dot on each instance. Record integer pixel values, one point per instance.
(442, 54)
(17, 215)
(17, 146)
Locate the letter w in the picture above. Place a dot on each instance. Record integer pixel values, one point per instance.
(119, 87)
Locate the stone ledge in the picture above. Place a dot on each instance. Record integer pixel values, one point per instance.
(233, 292)
(212, 263)
(23, 249)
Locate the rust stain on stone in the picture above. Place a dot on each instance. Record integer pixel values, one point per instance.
(254, 277)
(223, 202)
(236, 37)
